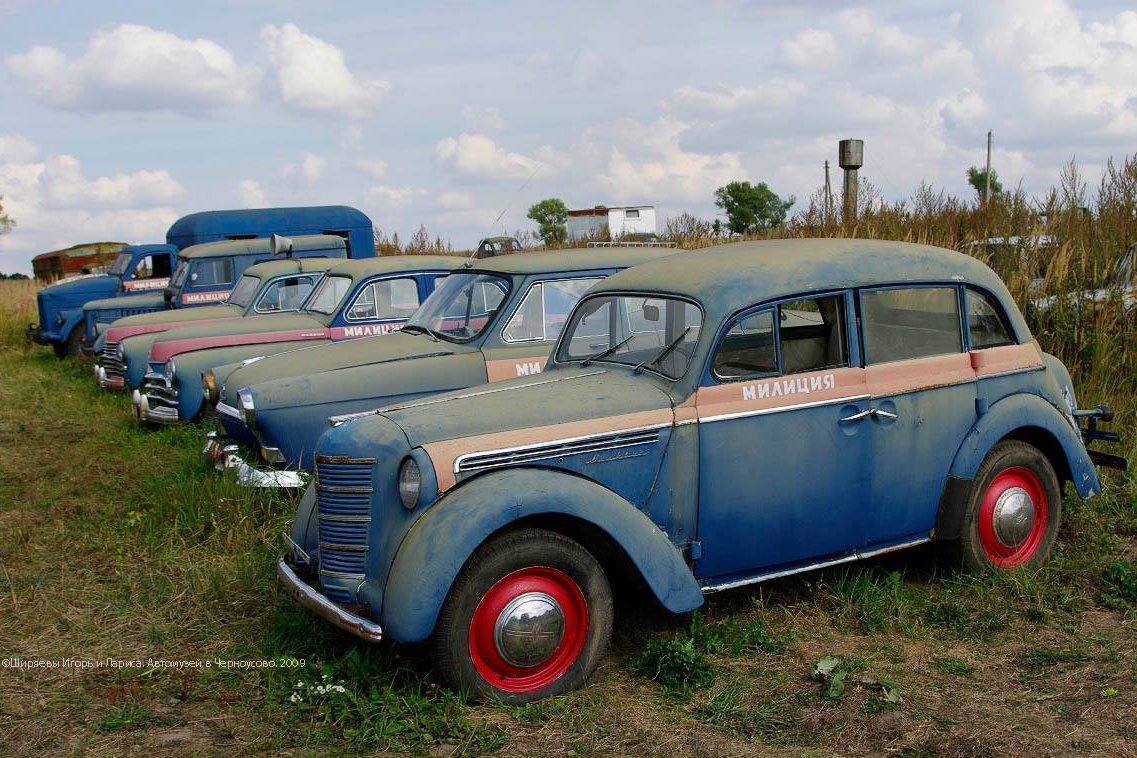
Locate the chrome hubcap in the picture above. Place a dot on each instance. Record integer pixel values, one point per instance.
(529, 629)
(1013, 517)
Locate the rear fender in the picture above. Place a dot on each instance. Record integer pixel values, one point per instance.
(443, 538)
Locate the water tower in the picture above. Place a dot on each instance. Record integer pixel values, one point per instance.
(850, 157)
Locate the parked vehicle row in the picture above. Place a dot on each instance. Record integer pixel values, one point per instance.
(546, 425)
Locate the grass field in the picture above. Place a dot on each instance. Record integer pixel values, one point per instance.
(141, 608)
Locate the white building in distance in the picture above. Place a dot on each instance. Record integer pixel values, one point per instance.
(631, 220)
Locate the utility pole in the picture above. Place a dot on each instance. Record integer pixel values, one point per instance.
(987, 189)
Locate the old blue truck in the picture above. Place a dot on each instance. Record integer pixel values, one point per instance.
(139, 268)
(705, 421)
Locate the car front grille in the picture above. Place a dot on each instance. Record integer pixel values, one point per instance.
(111, 362)
(343, 506)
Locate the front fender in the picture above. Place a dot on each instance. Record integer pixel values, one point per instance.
(1027, 412)
(442, 539)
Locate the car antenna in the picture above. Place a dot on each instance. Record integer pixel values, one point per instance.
(509, 202)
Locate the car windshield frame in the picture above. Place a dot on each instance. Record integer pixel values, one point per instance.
(439, 308)
(246, 287)
(330, 280)
(181, 271)
(120, 265)
(620, 346)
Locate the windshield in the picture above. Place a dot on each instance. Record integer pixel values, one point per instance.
(462, 307)
(180, 272)
(651, 333)
(118, 268)
(328, 295)
(243, 293)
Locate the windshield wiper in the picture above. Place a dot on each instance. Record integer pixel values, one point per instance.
(670, 346)
(607, 351)
(416, 329)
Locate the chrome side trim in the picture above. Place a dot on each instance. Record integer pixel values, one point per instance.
(591, 443)
(783, 408)
(813, 566)
(308, 597)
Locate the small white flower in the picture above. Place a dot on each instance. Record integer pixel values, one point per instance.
(296, 698)
(338, 688)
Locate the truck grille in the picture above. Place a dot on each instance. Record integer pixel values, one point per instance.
(343, 505)
(111, 363)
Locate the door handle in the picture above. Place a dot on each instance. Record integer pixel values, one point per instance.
(874, 412)
(859, 416)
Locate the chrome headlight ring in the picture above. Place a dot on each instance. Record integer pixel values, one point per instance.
(209, 385)
(410, 483)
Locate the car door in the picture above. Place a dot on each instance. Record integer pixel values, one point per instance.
(522, 346)
(923, 403)
(378, 306)
(783, 478)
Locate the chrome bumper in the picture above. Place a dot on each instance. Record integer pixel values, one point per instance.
(109, 382)
(142, 410)
(225, 457)
(324, 608)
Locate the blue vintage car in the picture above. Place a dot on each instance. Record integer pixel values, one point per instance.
(355, 299)
(706, 421)
(490, 320)
(279, 286)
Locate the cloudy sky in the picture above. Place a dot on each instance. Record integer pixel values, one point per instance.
(119, 117)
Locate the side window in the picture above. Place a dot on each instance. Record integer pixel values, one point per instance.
(811, 334)
(807, 334)
(144, 268)
(385, 299)
(545, 309)
(904, 323)
(986, 324)
(212, 271)
(747, 348)
(285, 294)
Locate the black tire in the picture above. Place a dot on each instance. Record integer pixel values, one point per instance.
(73, 345)
(1017, 481)
(556, 576)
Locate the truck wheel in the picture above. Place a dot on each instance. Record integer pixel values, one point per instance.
(1013, 510)
(528, 617)
(70, 346)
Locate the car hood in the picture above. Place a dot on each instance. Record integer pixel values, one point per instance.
(144, 323)
(83, 286)
(149, 299)
(558, 403)
(411, 363)
(247, 330)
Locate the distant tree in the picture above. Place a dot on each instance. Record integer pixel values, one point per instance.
(977, 178)
(750, 207)
(551, 216)
(6, 222)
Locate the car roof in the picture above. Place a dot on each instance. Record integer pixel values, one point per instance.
(568, 259)
(262, 246)
(393, 264)
(268, 269)
(732, 276)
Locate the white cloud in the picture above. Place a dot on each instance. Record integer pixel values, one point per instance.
(456, 200)
(374, 169)
(476, 155)
(252, 194)
(136, 68)
(773, 94)
(15, 148)
(311, 74)
(392, 197)
(811, 48)
(483, 119)
(56, 206)
(311, 167)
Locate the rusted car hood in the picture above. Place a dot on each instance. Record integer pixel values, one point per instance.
(596, 396)
(248, 330)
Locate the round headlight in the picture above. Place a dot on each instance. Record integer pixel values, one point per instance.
(209, 385)
(120, 352)
(171, 371)
(248, 409)
(410, 483)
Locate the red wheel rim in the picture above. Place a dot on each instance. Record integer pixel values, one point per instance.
(528, 582)
(1002, 511)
